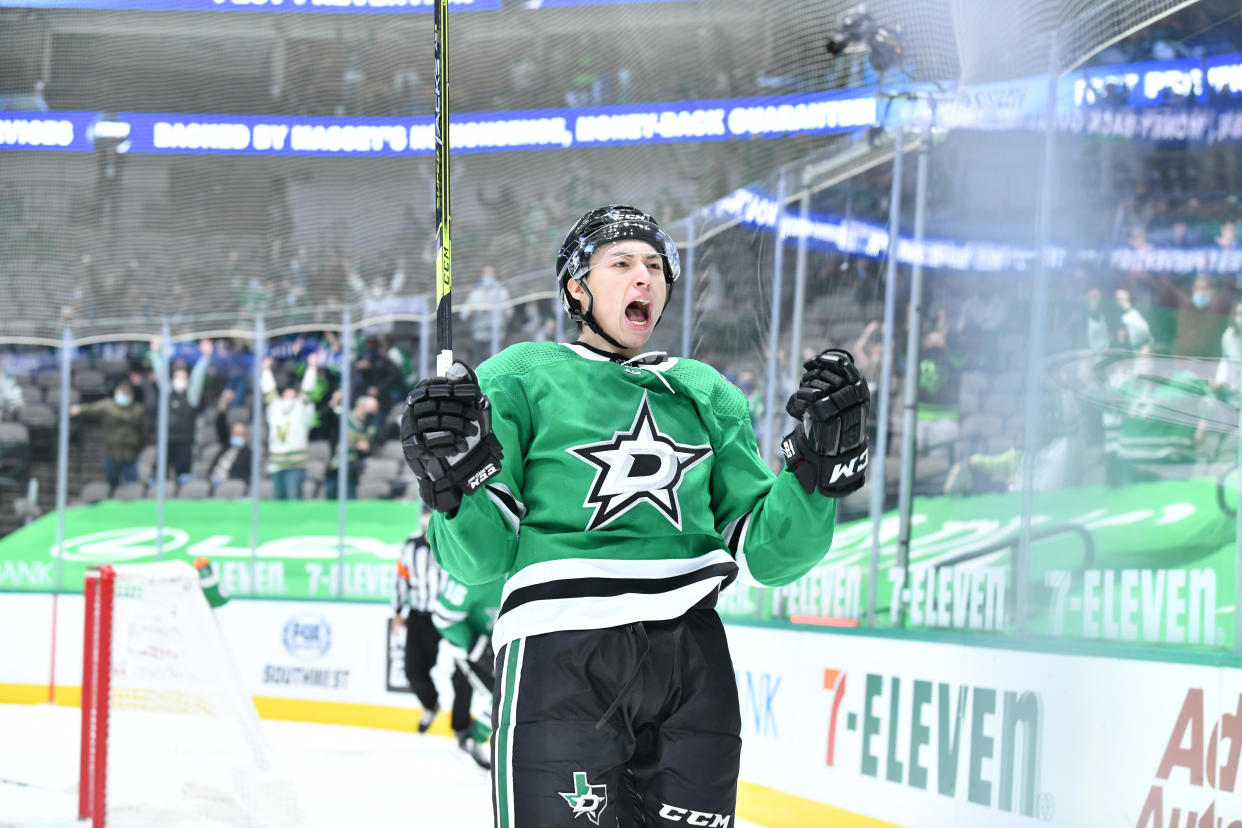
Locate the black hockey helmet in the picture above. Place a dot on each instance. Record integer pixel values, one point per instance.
(597, 227)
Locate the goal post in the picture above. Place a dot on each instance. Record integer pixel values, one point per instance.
(169, 734)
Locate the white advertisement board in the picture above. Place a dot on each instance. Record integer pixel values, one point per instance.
(932, 734)
(912, 732)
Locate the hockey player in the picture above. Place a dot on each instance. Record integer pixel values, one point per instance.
(618, 491)
(418, 582)
(465, 615)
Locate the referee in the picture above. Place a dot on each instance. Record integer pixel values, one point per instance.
(418, 583)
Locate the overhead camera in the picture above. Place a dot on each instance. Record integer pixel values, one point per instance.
(859, 30)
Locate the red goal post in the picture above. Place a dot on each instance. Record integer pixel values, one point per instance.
(169, 734)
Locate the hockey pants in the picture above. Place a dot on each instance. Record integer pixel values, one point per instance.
(631, 726)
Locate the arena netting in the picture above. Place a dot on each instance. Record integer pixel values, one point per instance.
(277, 165)
(215, 165)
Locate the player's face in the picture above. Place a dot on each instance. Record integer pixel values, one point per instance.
(627, 282)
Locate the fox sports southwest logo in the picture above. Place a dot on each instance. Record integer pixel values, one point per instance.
(306, 637)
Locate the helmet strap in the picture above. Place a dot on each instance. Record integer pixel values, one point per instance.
(587, 316)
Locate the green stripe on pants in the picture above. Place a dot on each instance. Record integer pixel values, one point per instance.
(504, 730)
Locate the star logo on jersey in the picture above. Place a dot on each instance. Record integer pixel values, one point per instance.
(586, 798)
(638, 465)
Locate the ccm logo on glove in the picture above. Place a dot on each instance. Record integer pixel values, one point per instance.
(446, 434)
(827, 450)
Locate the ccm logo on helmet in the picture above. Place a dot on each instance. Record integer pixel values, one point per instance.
(675, 814)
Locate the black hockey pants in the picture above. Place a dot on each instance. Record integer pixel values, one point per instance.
(422, 643)
(630, 726)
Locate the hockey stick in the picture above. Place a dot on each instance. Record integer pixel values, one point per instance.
(444, 246)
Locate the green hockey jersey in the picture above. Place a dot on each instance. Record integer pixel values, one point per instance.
(463, 612)
(628, 492)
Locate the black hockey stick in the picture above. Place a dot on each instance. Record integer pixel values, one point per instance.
(444, 246)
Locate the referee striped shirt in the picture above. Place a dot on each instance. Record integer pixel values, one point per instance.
(419, 577)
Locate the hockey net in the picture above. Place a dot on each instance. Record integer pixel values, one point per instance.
(169, 735)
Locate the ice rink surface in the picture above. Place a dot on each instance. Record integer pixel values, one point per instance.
(345, 776)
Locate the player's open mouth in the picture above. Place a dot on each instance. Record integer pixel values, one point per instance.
(638, 312)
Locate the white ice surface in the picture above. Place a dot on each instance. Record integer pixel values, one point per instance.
(345, 776)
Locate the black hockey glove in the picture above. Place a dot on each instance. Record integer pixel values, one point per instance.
(827, 450)
(446, 434)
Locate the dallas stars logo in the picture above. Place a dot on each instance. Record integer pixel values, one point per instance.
(635, 466)
(587, 798)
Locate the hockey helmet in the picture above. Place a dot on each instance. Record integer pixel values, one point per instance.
(596, 228)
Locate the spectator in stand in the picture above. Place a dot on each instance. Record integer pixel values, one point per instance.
(232, 461)
(184, 403)
(489, 314)
(11, 401)
(290, 418)
(376, 375)
(1202, 314)
(1228, 380)
(1134, 332)
(868, 353)
(359, 443)
(937, 424)
(121, 425)
(1098, 339)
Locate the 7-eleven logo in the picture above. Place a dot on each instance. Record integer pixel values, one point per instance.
(834, 680)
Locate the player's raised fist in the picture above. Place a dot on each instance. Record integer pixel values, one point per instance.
(446, 436)
(828, 449)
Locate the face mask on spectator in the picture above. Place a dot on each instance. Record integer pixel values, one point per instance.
(180, 385)
(1201, 299)
(236, 441)
(122, 399)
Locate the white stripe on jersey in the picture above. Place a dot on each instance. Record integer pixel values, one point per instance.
(735, 535)
(508, 505)
(570, 569)
(595, 612)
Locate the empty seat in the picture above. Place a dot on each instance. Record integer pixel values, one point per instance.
(52, 397)
(89, 380)
(130, 491)
(31, 393)
(14, 433)
(38, 415)
(392, 449)
(374, 489)
(94, 491)
(318, 450)
(316, 470)
(230, 490)
(194, 490)
(379, 468)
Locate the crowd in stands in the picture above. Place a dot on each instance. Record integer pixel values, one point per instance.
(114, 408)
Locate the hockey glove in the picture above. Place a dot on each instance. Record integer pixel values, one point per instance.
(827, 450)
(446, 434)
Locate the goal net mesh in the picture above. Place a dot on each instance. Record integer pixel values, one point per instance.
(184, 745)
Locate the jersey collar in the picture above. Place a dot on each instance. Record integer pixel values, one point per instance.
(654, 361)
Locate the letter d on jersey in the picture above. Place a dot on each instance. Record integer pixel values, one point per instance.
(700, 818)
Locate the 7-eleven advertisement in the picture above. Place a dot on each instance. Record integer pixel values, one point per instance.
(926, 734)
